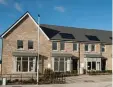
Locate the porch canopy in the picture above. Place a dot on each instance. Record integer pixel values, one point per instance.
(24, 53)
(93, 56)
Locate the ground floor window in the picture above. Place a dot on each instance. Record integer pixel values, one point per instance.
(93, 63)
(25, 64)
(89, 65)
(62, 64)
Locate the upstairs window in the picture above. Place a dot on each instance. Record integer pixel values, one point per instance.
(19, 44)
(62, 45)
(102, 48)
(54, 45)
(92, 47)
(75, 46)
(86, 47)
(30, 44)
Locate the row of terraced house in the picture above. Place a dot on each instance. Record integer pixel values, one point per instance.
(61, 48)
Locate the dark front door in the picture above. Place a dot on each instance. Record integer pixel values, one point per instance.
(103, 64)
(74, 64)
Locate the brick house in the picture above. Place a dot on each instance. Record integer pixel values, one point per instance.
(61, 48)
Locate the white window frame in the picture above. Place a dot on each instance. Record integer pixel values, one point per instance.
(94, 47)
(91, 63)
(33, 45)
(65, 62)
(21, 66)
(60, 46)
(57, 46)
(88, 47)
(23, 45)
(77, 47)
(104, 48)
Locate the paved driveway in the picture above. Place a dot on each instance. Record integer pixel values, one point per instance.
(88, 78)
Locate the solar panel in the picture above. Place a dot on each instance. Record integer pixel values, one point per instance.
(67, 36)
(92, 38)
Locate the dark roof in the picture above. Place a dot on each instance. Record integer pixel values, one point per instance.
(78, 34)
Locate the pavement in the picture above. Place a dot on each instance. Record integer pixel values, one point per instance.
(89, 78)
(78, 81)
(99, 84)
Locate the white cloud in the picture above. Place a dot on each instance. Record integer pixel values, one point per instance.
(59, 8)
(3, 2)
(18, 7)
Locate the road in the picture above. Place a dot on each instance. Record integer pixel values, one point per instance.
(90, 84)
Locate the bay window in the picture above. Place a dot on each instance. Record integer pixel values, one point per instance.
(25, 64)
(62, 64)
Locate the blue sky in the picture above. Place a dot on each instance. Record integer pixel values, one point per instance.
(95, 14)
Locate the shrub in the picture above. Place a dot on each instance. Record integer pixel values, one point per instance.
(48, 71)
(99, 72)
(0, 82)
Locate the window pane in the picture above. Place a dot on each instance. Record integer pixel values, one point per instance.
(61, 67)
(19, 58)
(62, 59)
(54, 45)
(62, 46)
(86, 47)
(94, 65)
(56, 66)
(18, 67)
(19, 44)
(31, 58)
(24, 58)
(89, 65)
(30, 44)
(66, 65)
(18, 64)
(103, 48)
(25, 64)
(31, 66)
(92, 47)
(74, 46)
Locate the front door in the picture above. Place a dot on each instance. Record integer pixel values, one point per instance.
(74, 64)
(103, 64)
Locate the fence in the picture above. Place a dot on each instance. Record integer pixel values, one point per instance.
(53, 78)
(25, 79)
(18, 79)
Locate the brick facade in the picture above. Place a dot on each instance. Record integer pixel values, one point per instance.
(27, 30)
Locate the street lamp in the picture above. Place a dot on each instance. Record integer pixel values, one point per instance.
(38, 49)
